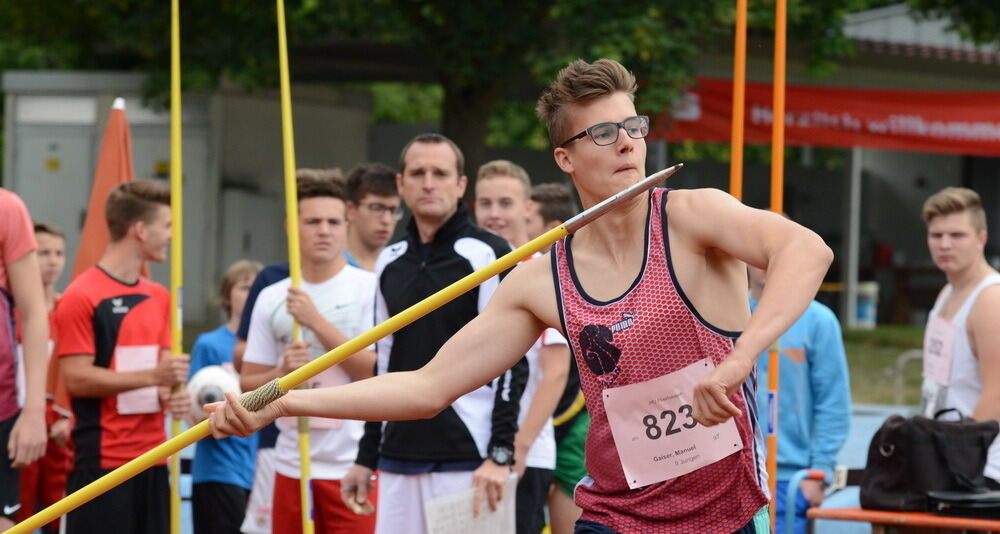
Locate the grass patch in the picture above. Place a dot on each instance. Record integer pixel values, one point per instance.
(871, 358)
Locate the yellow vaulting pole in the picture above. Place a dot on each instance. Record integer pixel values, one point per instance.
(294, 258)
(739, 87)
(777, 206)
(274, 389)
(177, 247)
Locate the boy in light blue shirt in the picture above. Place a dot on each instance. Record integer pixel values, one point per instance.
(222, 471)
(814, 402)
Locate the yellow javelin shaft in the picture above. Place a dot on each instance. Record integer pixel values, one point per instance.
(177, 248)
(294, 258)
(335, 356)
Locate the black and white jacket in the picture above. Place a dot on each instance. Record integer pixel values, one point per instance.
(407, 273)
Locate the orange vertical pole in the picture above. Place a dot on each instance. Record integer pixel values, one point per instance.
(777, 189)
(739, 88)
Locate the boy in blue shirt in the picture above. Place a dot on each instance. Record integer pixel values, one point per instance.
(222, 472)
(814, 402)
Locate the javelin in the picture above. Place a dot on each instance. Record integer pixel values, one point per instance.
(260, 397)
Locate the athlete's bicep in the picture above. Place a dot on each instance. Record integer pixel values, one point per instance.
(486, 347)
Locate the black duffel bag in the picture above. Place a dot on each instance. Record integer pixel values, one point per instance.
(910, 456)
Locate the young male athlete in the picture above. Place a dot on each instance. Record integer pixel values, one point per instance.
(113, 350)
(552, 204)
(961, 342)
(652, 298)
(503, 206)
(22, 429)
(334, 303)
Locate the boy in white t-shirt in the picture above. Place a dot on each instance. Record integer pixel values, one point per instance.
(334, 303)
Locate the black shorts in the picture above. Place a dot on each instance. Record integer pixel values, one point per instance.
(140, 504)
(532, 493)
(10, 491)
(218, 508)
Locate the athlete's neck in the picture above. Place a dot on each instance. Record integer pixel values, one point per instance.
(969, 277)
(50, 297)
(233, 324)
(317, 272)
(362, 253)
(123, 261)
(617, 232)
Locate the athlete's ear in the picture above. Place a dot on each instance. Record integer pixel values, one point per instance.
(563, 160)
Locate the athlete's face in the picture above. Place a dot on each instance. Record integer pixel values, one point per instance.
(600, 171)
(238, 295)
(154, 234)
(322, 229)
(51, 254)
(954, 242)
(373, 219)
(430, 184)
(502, 207)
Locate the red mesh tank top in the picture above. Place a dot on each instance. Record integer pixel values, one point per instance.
(650, 331)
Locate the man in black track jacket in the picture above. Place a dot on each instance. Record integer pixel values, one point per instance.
(471, 443)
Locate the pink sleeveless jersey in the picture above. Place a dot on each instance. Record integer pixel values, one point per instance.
(650, 331)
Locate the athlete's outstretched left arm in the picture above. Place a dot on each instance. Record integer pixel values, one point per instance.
(485, 348)
(795, 258)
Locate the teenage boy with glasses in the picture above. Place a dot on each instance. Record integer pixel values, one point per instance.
(648, 306)
(373, 209)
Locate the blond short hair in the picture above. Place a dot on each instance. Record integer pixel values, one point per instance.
(236, 272)
(581, 82)
(502, 167)
(955, 200)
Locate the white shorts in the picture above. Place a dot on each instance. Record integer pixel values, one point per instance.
(258, 517)
(401, 498)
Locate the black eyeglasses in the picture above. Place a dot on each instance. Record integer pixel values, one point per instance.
(606, 133)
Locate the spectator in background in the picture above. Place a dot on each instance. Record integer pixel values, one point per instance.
(114, 353)
(334, 303)
(259, 509)
(814, 402)
(222, 471)
(502, 205)
(962, 341)
(470, 443)
(44, 481)
(551, 205)
(373, 209)
(22, 430)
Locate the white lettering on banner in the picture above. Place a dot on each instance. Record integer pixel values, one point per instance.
(655, 431)
(894, 124)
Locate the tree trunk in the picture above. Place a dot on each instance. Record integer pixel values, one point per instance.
(465, 120)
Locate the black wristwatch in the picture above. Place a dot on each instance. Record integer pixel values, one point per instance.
(501, 455)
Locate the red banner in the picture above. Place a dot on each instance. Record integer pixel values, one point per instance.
(924, 121)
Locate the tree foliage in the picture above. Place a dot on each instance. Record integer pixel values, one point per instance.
(478, 51)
